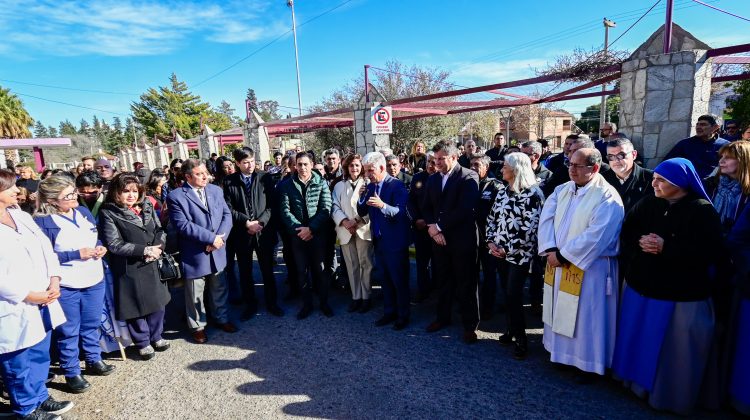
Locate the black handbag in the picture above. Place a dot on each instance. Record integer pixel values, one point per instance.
(169, 268)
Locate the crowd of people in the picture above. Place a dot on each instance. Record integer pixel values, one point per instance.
(636, 273)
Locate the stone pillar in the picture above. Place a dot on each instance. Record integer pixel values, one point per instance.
(179, 148)
(256, 137)
(664, 94)
(207, 143)
(364, 140)
(163, 155)
(150, 156)
(127, 163)
(138, 154)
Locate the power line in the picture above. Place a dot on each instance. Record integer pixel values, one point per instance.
(69, 88)
(636, 22)
(721, 10)
(68, 104)
(268, 44)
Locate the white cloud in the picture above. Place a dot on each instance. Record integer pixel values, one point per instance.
(497, 71)
(129, 27)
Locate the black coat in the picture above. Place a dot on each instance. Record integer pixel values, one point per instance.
(417, 189)
(138, 289)
(693, 246)
(405, 178)
(488, 188)
(453, 208)
(637, 186)
(244, 208)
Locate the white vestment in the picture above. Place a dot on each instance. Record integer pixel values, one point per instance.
(595, 252)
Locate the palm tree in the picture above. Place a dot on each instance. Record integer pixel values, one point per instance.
(14, 119)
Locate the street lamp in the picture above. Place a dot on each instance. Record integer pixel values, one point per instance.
(602, 111)
(290, 3)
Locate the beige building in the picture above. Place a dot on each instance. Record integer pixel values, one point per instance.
(534, 123)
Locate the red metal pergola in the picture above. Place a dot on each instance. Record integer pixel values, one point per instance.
(429, 105)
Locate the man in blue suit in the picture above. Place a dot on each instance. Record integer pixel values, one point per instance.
(384, 200)
(203, 221)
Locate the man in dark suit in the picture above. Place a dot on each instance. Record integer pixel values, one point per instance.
(450, 201)
(202, 220)
(394, 169)
(247, 195)
(630, 180)
(384, 200)
(422, 241)
(497, 154)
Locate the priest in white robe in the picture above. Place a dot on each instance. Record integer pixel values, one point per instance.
(579, 234)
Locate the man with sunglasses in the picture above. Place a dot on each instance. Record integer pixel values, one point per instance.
(631, 181)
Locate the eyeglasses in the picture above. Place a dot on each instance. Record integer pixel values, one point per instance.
(619, 156)
(576, 166)
(68, 197)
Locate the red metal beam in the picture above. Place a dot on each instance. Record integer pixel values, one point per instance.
(420, 110)
(734, 49)
(308, 116)
(485, 88)
(588, 85)
(743, 76)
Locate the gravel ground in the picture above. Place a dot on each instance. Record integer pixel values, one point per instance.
(345, 368)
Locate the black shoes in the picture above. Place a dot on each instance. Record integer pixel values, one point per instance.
(505, 339)
(56, 407)
(354, 305)
(400, 324)
(520, 350)
(366, 306)
(385, 320)
(327, 311)
(249, 312)
(77, 384)
(99, 368)
(40, 414)
(275, 310)
(304, 312)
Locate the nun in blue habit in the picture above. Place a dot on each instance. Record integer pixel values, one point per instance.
(671, 245)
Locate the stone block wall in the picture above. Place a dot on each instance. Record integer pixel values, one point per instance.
(662, 97)
(364, 140)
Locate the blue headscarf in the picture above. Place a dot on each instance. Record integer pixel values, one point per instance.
(681, 172)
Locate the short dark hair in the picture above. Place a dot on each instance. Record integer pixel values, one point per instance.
(446, 146)
(498, 134)
(594, 157)
(277, 153)
(89, 178)
(710, 118)
(7, 179)
(118, 185)
(243, 153)
(189, 164)
(301, 155)
(153, 180)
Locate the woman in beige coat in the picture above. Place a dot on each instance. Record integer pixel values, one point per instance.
(353, 233)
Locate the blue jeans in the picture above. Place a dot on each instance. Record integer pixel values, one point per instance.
(24, 374)
(83, 311)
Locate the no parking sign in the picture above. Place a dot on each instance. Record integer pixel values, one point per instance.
(382, 119)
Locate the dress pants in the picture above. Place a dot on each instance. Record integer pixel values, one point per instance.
(245, 246)
(24, 375)
(287, 251)
(455, 269)
(395, 284)
(234, 289)
(329, 257)
(308, 258)
(83, 311)
(358, 254)
(515, 276)
(147, 329)
(490, 270)
(423, 256)
(195, 308)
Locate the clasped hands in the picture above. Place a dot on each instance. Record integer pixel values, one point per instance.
(496, 251)
(651, 243)
(218, 243)
(96, 253)
(350, 225)
(46, 297)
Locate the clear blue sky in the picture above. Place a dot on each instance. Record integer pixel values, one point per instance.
(124, 47)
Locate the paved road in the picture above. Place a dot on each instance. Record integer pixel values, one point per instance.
(345, 368)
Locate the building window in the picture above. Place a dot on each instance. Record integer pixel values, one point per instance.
(566, 124)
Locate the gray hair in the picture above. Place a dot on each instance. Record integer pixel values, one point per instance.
(612, 125)
(189, 164)
(483, 159)
(385, 151)
(535, 146)
(332, 151)
(593, 156)
(621, 142)
(446, 146)
(392, 157)
(523, 175)
(374, 158)
(49, 190)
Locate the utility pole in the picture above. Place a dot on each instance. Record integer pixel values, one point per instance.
(290, 3)
(603, 109)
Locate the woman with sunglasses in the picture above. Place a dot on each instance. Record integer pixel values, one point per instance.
(74, 236)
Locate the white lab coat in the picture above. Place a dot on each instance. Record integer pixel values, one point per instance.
(27, 262)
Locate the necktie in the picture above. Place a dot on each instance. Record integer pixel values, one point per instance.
(376, 216)
(248, 180)
(201, 196)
